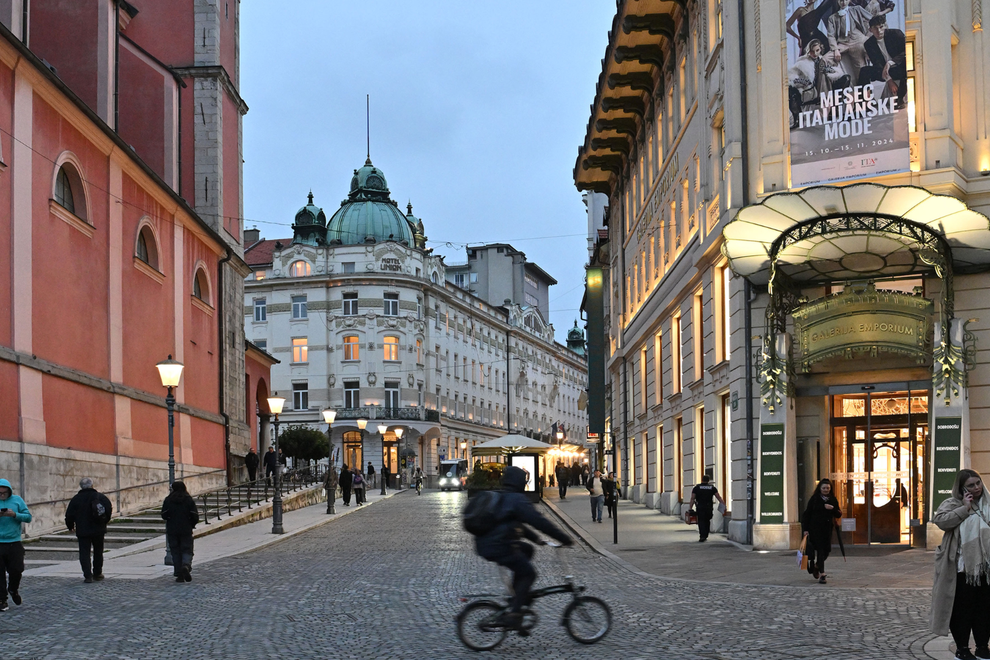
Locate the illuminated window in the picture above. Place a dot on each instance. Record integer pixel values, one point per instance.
(300, 350)
(391, 348)
(351, 349)
(259, 275)
(419, 352)
(299, 269)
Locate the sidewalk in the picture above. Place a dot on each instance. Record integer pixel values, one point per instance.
(149, 563)
(662, 545)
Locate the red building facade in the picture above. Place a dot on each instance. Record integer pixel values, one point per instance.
(120, 220)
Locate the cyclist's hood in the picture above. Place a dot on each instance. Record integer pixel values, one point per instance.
(514, 479)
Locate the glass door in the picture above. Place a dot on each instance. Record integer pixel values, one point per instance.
(878, 450)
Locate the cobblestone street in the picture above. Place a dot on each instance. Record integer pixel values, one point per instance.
(384, 582)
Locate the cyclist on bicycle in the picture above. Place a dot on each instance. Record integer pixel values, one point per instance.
(419, 478)
(504, 545)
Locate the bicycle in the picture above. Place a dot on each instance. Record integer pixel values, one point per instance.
(479, 624)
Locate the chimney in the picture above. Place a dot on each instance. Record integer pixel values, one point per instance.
(252, 236)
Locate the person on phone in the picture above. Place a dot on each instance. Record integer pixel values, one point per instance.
(88, 513)
(961, 591)
(13, 512)
(818, 522)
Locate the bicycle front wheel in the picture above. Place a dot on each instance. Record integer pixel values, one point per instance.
(587, 619)
(477, 628)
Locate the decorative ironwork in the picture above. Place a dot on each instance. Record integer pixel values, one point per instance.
(949, 375)
(969, 346)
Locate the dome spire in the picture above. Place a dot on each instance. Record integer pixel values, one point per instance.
(367, 124)
(310, 196)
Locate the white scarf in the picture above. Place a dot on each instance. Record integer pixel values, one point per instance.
(974, 541)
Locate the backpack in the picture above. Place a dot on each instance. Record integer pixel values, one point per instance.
(99, 512)
(481, 514)
(358, 480)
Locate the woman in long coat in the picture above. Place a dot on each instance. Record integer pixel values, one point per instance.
(180, 515)
(817, 523)
(345, 484)
(961, 593)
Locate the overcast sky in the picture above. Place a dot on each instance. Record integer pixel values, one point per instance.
(477, 111)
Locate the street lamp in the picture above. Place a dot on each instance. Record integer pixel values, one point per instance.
(398, 437)
(328, 416)
(275, 404)
(170, 372)
(560, 437)
(382, 429)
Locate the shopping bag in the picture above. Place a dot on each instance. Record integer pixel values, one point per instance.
(802, 559)
(691, 517)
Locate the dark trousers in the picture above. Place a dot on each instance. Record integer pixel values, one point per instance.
(86, 545)
(269, 471)
(704, 523)
(181, 547)
(346, 495)
(562, 488)
(252, 473)
(969, 613)
(11, 564)
(523, 573)
(816, 558)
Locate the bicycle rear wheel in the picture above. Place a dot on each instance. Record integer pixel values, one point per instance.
(475, 625)
(587, 619)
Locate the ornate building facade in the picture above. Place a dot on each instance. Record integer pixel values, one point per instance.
(793, 252)
(364, 321)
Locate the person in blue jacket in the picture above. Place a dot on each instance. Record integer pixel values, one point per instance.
(13, 512)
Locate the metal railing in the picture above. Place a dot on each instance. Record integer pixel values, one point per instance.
(233, 498)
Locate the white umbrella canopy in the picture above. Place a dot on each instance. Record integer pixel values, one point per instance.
(510, 444)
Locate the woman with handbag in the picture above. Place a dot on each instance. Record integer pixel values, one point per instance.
(609, 486)
(358, 484)
(961, 592)
(817, 523)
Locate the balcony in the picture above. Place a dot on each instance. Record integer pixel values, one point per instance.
(414, 414)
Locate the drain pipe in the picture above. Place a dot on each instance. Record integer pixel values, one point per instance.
(221, 329)
(747, 292)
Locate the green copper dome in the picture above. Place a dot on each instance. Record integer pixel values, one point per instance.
(369, 215)
(310, 224)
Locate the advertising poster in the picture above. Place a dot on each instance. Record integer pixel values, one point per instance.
(846, 90)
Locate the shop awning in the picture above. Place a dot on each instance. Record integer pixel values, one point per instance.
(510, 444)
(866, 230)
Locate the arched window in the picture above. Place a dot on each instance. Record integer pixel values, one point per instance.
(147, 247)
(69, 192)
(201, 286)
(63, 191)
(391, 347)
(299, 269)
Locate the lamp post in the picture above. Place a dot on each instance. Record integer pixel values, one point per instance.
(382, 429)
(275, 404)
(170, 372)
(398, 436)
(328, 416)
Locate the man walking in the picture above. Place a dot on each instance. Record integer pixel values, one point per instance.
(562, 478)
(597, 492)
(372, 477)
(88, 513)
(13, 512)
(704, 494)
(271, 462)
(345, 480)
(386, 475)
(251, 463)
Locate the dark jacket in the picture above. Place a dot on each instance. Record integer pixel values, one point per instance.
(515, 510)
(893, 41)
(346, 479)
(270, 460)
(251, 460)
(819, 521)
(179, 513)
(79, 514)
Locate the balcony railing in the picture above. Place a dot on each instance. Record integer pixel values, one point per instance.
(414, 414)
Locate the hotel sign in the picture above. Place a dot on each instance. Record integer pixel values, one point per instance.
(864, 323)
